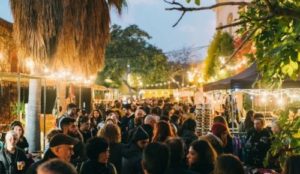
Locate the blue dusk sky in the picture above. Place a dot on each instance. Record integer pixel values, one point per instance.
(195, 29)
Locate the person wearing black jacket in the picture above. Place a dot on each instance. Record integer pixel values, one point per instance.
(257, 143)
(61, 147)
(132, 156)
(13, 160)
(98, 154)
(22, 141)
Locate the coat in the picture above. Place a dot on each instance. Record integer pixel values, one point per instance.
(131, 161)
(115, 157)
(47, 156)
(94, 167)
(8, 162)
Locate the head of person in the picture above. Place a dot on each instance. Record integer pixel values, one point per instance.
(72, 109)
(128, 109)
(68, 126)
(292, 165)
(220, 130)
(189, 124)
(56, 166)
(259, 122)
(18, 128)
(249, 116)
(151, 120)
(11, 139)
(140, 137)
(97, 149)
(220, 119)
(176, 146)
(139, 113)
(84, 123)
(152, 162)
(201, 153)
(96, 114)
(111, 132)
(114, 116)
(162, 131)
(61, 145)
(228, 164)
(275, 127)
(52, 133)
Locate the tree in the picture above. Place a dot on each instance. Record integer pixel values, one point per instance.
(68, 35)
(273, 25)
(132, 60)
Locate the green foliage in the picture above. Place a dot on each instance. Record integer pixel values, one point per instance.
(130, 46)
(197, 2)
(286, 142)
(277, 40)
(221, 45)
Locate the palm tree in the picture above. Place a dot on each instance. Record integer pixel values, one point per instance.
(61, 34)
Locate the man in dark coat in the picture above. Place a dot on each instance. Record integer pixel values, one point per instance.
(13, 160)
(131, 161)
(61, 147)
(257, 144)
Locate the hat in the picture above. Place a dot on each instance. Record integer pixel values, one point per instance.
(61, 139)
(218, 128)
(140, 134)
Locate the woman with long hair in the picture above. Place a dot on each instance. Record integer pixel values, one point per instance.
(22, 143)
(229, 145)
(201, 157)
(162, 132)
(96, 118)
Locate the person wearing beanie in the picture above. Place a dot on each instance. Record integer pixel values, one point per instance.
(218, 137)
(60, 146)
(132, 156)
(98, 154)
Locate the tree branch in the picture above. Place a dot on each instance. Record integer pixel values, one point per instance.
(244, 22)
(183, 13)
(239, 48)
(183, 8)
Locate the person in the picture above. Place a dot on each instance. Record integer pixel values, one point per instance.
(188, 131)
(248, 124)
(71, 112)
(162, 132)
(257, 143)
(201, 157)
(132, 155)
(50, 135)
(69, 128)
(84, 127)
(112, 134)
(22, 141)
(98, 154)
(228, 164)
(218, 137)
(292, 165)
(56, 166)
(127, 123)
(149, 124)
(60, 146)
(228, 148)
(177, 151)
(152, 162)
(13, 160)
(96, 118)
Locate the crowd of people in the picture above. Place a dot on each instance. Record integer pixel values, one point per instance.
(146, 137)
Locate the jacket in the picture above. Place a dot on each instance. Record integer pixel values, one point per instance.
(94, 167)
(131, 161)
(8, 161)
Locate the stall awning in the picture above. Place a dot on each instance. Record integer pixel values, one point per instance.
(244, 80)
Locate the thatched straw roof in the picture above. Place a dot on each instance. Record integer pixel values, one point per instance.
(63, 34)
(7, 47)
